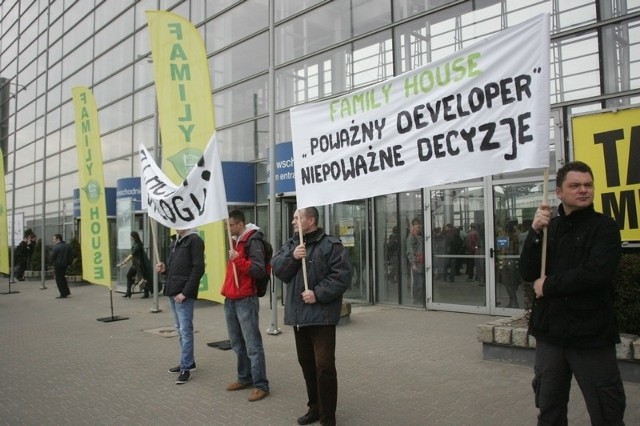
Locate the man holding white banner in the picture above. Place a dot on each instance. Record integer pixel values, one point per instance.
(573, 316)
(183, 270)
(312, 306)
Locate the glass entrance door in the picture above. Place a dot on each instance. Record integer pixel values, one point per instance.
(514, 206)
(457, 254)
(399, 249)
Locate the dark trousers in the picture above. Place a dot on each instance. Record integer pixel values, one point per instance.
(132, 277)
(22, 266)
(597, 374)
(316, 347)
(61, 280)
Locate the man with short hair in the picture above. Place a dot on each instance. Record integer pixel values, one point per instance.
(242, 306)
(60, 259)
(23, 254)
(573, 317)
(314, 312)
(183, 270)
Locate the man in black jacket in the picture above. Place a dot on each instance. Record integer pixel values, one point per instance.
(23, 254)
(60, 259)
(573, 318)
(314, 312)
(183, 270)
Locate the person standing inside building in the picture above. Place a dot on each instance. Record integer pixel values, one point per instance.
(573, 317)
(183, 271)
(472, 242)
(23, 254)
(415, 257)
(242, 306)
(61, 258)
(314, 312)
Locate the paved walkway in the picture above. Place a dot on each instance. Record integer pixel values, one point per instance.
(58, 365)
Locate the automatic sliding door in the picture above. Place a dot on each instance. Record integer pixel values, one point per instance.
(457, 246)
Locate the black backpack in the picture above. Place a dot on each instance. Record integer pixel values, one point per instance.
(262, 283)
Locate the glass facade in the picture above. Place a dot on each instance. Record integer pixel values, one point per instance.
(321, 49)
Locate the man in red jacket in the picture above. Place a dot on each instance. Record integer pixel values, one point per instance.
(241, 305)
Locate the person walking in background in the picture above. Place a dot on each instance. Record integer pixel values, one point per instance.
(61, 257)
(242, 306)
(23, 254)
(314, 313)
(573, 317)
(415, 256)
(183, 271)
(140, 270)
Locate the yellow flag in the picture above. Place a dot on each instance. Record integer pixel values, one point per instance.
(96, 261)
(185, 108)
(4, 232)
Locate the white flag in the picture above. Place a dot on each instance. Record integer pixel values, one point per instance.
(200, 199)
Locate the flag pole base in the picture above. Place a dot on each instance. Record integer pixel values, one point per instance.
(223, 344)
(274, 331)
(112, 318)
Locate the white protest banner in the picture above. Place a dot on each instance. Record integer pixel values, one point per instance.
(483, 110)
(199, 200)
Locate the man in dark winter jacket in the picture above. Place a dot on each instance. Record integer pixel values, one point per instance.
(183, 271)
(314, 312)
(23, 254)
(573, 318)
(60, 259)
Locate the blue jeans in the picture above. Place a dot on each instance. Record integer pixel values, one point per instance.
(246, 341)
(183, 315)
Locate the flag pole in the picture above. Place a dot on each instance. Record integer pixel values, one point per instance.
(153, 224)
(545, 196)
(304, 259)
(233, 265)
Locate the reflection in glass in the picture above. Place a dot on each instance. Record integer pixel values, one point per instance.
(411, 267)
(514, 206)
(387, 248)
(349, 223)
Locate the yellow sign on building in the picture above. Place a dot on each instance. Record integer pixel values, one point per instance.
(610, 143)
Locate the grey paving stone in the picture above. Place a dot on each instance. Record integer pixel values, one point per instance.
(60, 366)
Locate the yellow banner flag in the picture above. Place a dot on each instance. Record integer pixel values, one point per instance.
(96, 260)
(4, 231)
(185, 107)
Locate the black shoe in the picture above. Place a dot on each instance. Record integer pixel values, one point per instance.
(146, 296)
(127, 295)
(61, 297)
(307, 419)
(177, 369)
(328, 422)
(183, 377)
